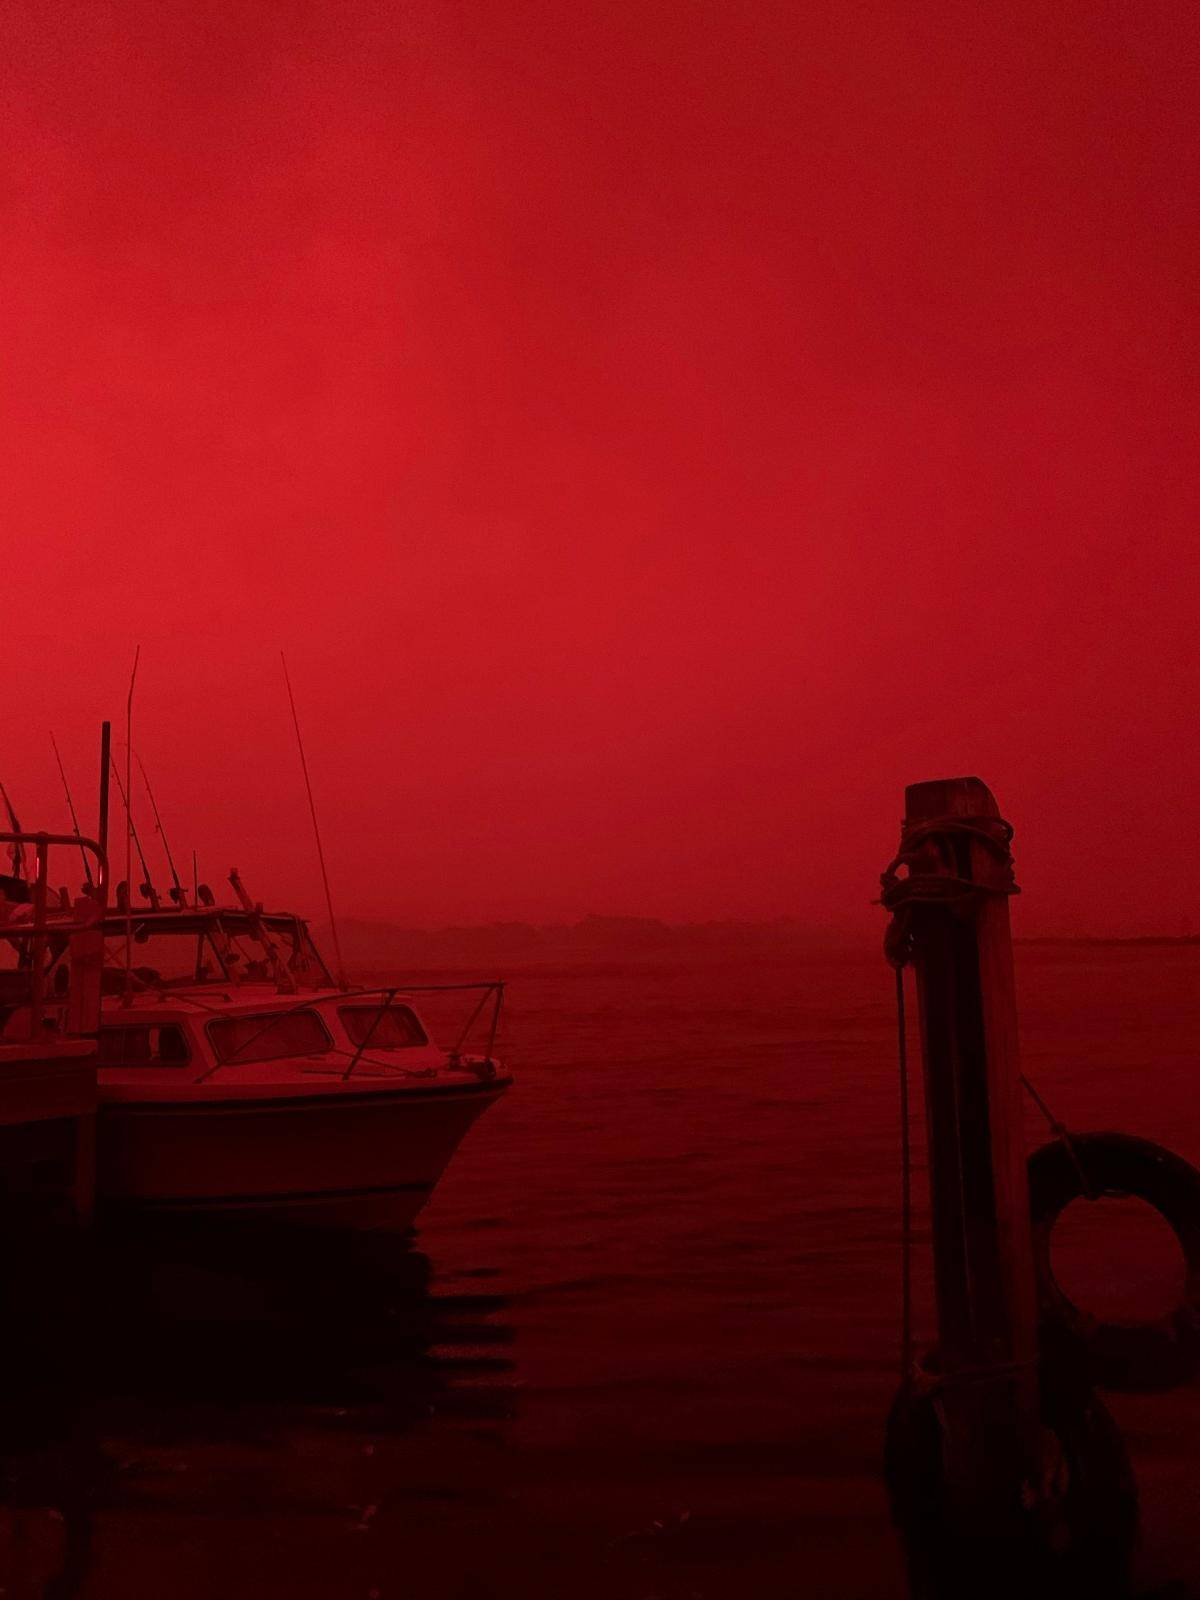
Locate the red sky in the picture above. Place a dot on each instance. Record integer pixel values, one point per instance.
(656, 433)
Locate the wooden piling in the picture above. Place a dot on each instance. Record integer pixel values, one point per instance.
(48, 1128)
(986, 1302)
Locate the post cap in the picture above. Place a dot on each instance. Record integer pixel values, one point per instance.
(949, 797)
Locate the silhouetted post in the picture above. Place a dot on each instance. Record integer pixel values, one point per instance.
(983, 1260)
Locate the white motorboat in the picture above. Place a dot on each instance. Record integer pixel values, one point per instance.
(236, 1076)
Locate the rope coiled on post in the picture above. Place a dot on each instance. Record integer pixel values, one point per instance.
(931, 875)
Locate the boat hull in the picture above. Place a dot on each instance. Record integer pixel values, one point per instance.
(357, 1160)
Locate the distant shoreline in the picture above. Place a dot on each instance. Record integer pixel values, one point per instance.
(1108, 939)
(623, 938)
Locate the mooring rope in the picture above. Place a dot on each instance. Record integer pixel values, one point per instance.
(1060, 1132)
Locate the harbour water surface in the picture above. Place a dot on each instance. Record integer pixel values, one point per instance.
(641, 1345)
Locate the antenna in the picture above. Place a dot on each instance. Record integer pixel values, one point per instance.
(87, 866)
(337, 945)
(129, 833)
(177, 893)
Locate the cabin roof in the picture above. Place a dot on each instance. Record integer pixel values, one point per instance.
(195, 919)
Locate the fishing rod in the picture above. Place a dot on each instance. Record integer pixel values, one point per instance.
(148, 888)
(87, 866)
(16, 850)
(177, 893)
(312, 806)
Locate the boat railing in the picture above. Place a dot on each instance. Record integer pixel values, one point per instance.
(39, 922)
(492, 992)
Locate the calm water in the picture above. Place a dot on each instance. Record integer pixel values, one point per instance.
(641, 1346)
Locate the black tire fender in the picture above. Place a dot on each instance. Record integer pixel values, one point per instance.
(1085, 1551)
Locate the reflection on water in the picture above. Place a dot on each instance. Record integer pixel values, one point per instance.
(264, 1397)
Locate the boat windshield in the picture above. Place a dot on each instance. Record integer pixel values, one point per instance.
(269, 1036)
(171, 950)
(382, 1027)
(162, 959)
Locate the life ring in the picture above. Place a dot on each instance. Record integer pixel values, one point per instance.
(1151, 1355)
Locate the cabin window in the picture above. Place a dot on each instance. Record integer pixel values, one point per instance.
(144, 1045)
(269, 1037)
(382, 1027)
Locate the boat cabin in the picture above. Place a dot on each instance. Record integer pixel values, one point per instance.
(258, 1033)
